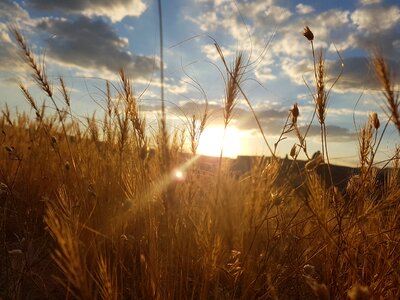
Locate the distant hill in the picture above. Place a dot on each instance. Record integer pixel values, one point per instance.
(243, 164)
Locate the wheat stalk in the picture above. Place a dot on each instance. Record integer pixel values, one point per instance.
(385, 78)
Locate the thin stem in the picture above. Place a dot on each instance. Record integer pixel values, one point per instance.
(220, 164)
(161, 61)
(164, 141)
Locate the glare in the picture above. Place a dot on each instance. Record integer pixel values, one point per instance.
(212, 140)
(179, 175)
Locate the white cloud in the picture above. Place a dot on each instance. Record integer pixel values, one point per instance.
(340, 112)
(252, 8)
(278, 13)
(291, 44)
(208, 21)
(12, 11)
(211, 52)
(116, 10)
(348, 42)
(237, 29)
(376, 19)
(296, 69)
(304, 9)
(180, 88)
(9, 58)
(264, 74)
(369, 2)
(334, 20)
(326, 27)
(11, 64)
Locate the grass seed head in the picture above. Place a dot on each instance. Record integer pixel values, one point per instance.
(375, 120)
(308, 33)
(295, 113)
(293, 151)
(386, 78)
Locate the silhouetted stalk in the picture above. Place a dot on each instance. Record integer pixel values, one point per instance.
(234, 79)
(40, 77)
(164, 136)
(321, 97)
(247, 100)
(385, 77)
(163, 117)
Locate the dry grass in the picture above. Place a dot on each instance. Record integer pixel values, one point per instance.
(83, 211)
(386, 79)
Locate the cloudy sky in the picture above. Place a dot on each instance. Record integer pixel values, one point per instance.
(87, 42)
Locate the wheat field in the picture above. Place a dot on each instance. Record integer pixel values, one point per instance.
(94, 208)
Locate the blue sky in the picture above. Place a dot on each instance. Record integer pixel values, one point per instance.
(86, 42)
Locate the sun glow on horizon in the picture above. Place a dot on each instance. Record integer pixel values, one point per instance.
(212, 140)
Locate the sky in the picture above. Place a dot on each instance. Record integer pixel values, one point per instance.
(87, 42)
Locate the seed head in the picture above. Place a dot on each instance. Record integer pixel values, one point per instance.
(375, 120)
(308, 33)
(295, 113)
(293, 151)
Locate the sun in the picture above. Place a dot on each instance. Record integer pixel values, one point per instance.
(212, 139)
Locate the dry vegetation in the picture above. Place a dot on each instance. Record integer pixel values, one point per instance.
(90, 210)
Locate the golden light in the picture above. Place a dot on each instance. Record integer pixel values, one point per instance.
(212, 140)
(179, 175)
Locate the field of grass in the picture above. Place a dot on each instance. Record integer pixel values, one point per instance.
(94, 209)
